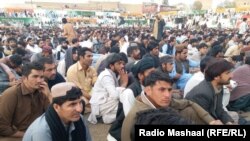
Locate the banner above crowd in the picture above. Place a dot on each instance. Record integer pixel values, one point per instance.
(149, 8)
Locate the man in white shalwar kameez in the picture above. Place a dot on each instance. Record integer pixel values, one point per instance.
(106, 91)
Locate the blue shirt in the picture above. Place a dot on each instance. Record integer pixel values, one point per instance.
(95, 58)
(39, 130)
(181, 82)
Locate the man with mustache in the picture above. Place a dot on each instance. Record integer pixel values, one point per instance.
(82, 73)
(158, 94)
(51, 76)
(140, 71)
(208, 93)
(106, 91)
(21, 104)
(63, 120)
(61, 49)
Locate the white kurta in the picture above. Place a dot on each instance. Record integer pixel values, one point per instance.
(105, 97)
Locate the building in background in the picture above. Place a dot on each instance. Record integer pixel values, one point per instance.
(242, 3)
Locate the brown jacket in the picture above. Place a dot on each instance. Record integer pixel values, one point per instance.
(69, 32)
(186, 108)
(19, 108)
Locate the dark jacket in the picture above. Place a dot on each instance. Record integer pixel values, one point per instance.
(179, 66)
(161, 25)
(115, 129)
(204, 95)
(58, 79)
(156, 59)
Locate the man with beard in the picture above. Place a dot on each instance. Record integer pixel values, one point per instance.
(169, 48)
(61, 50)
(71, 58)
(21, 104)
(166, 64)
(153, 51)
(134, 55)
(10, 46)
(51, 76)
(181, 71)
(46, 53)
(140, 70)
(106, 91)
(82, 73)
(12, 43)
(32, 47)
(63, 120)
(208, 94)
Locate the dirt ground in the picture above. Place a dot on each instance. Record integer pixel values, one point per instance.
(98, 131)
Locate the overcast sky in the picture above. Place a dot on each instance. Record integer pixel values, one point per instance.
(127, 1)
(171, 2)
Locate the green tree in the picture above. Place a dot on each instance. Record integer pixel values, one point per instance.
(165, 2)
(229, 4)
(197, 5)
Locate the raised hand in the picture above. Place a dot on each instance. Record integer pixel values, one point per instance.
(123, 78)
(44, 88)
